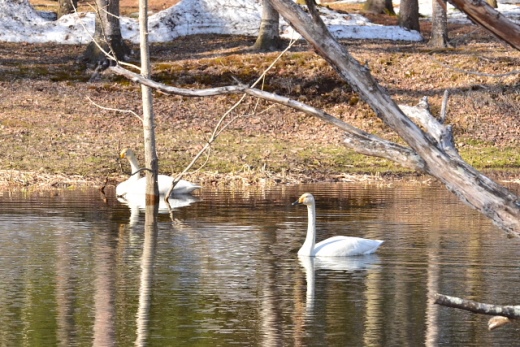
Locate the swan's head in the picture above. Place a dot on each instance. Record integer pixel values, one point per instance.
(305, 199)
(127, 152)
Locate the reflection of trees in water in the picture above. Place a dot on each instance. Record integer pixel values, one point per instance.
(271, 312)
(328, 309)
(238, 273)
(432, 310)
(104, 256)
(145, 283)
(65, 291)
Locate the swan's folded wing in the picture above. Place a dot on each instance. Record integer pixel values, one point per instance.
(345, 246)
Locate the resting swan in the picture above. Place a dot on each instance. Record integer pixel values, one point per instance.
(137, 184)
(336, 246)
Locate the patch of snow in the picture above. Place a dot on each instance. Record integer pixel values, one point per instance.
(19, 22)
(190, 17)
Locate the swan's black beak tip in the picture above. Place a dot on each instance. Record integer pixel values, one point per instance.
(297, 202)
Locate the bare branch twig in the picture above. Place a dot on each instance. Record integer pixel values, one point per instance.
(114, 109)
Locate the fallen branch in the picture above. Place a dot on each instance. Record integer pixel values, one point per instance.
(442, 134)
(510, 311)
(137, 78)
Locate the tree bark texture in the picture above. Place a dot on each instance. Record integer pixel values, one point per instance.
(108, 40)
(439, 38)
(379, 7)
(269, 34)
(409, 14)
(475, 189)
(66, 7)
(150, 154)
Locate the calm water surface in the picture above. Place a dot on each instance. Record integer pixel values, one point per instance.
(222, 270)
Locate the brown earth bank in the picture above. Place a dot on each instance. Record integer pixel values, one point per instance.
(59, 127)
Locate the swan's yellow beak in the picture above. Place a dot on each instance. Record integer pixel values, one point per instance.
(122, 155)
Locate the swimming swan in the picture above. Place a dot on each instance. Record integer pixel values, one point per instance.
(336, 246)
(137, 184)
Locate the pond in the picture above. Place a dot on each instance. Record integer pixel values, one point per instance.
(81, 269)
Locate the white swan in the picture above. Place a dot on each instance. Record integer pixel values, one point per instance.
(137, 184)
(336, 246)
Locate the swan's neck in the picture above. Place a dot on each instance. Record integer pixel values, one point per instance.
(310, 240)
(134, 165)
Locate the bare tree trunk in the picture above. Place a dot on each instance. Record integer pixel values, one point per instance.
(441, 161)
(150, 154)
(66, 7)
(268, 36)
(379, 7)
(107, 36)
(490, 19)
(439, 38)
(409, 14)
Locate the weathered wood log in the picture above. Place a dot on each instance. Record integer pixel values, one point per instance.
(441, 134)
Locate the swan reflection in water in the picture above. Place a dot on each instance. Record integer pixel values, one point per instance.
(346, 264)
(137, 203)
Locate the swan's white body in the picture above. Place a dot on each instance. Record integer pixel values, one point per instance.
(137, 184)
(336, 246)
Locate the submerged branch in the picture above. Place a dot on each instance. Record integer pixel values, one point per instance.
(510, 311)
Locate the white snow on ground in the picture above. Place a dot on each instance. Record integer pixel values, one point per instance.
(19, 22)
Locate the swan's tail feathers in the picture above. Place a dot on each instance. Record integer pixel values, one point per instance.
(185, 187)
(375, 245)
